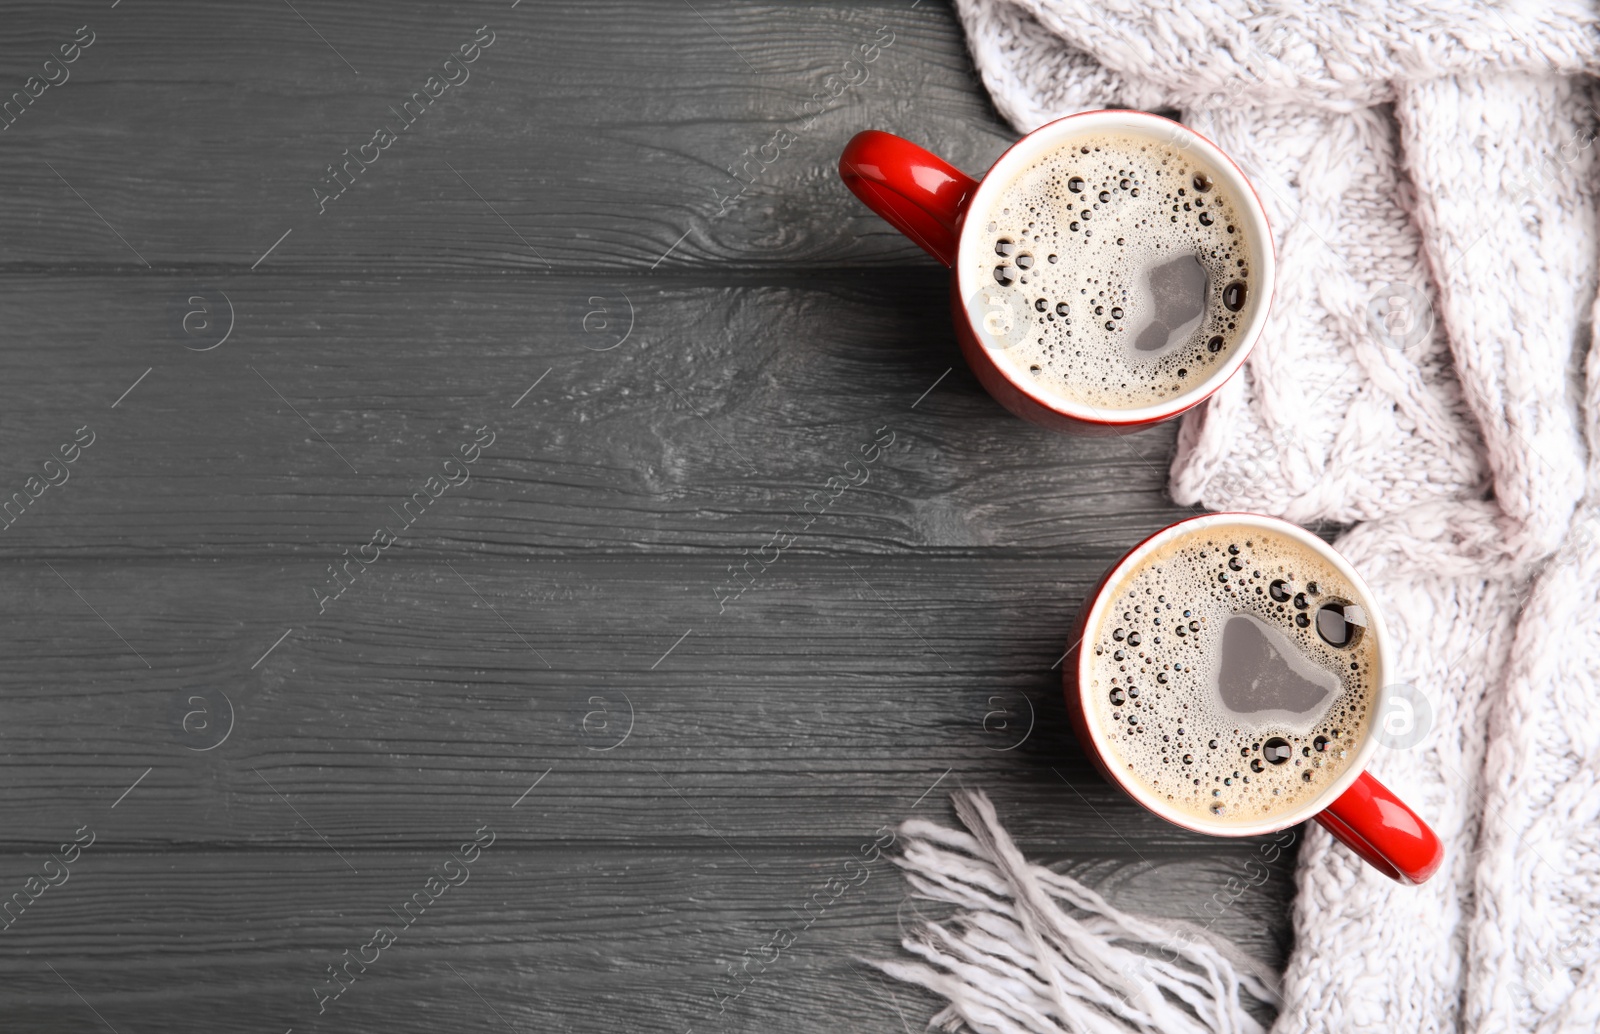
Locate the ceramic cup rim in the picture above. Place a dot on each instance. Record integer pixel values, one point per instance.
(1057, 134)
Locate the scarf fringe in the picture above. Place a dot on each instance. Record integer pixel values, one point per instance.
(1036, 952)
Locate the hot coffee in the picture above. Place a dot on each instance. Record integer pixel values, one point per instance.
(1124, 261)
(1231, 673)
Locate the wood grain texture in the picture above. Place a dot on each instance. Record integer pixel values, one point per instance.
(555, 939)
(714, 419)
(599, 132)
(673, 363)
(836, 683)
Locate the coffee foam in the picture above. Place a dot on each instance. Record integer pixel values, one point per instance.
(1077, 251)
(1153, 661)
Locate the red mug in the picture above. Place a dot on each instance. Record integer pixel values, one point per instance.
(1357, 809)
(929, 201)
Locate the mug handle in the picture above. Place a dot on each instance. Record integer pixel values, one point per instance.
(1377, 825)
(916, 192)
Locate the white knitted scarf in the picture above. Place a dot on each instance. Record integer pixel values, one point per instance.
(1429, 173)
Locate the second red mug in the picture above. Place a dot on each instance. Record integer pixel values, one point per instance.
(1357, 809)
(933, 203)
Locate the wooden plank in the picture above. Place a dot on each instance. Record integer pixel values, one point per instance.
(706, 427)
(588, 137)
(632, 939)
(836, 686)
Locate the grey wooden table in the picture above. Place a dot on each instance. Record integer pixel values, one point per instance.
(377, 464)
